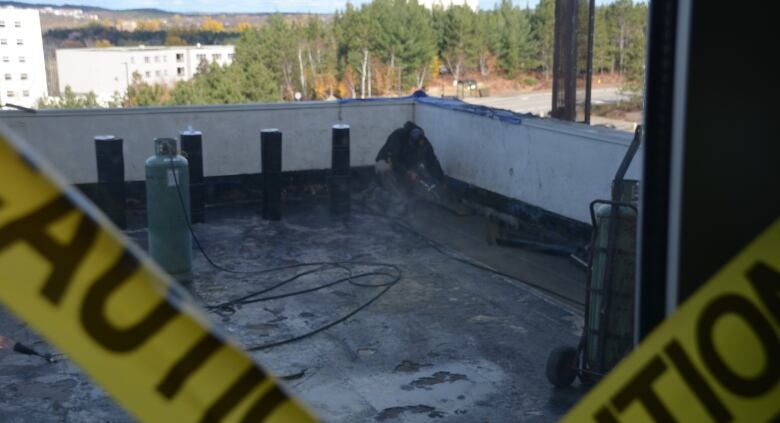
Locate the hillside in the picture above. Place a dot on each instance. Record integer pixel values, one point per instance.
(74, 16)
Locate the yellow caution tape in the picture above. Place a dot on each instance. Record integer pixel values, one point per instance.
(717, 359)
(67, 272)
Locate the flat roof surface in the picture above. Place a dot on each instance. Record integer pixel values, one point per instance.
(449, 342)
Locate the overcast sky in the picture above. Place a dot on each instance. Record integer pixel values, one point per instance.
(238, 6)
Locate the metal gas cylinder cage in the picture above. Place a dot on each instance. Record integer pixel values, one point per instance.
(608, 335)
(608, 331)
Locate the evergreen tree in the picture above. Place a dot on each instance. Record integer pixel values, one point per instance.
(319, 54)
(602, 48)
(355, 39)
(140, 93)
(486, 41)
(619, 31)
(515, 47)
(278, 50)
(256, 81)
(633, 70)
(543, 33)
(70, 100)
(458, 42)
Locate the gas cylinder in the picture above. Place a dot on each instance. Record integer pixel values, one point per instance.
(168, 209)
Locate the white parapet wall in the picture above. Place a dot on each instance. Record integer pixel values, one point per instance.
(231, 134)
(558, 166)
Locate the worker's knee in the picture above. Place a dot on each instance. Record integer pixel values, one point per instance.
(382, 166)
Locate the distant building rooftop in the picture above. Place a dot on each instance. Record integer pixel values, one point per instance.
(148, 48)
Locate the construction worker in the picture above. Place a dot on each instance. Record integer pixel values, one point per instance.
(407, 158)
(406, 166)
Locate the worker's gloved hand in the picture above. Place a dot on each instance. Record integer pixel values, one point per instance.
(412, 176)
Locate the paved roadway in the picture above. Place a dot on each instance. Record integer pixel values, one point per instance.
(540, 103)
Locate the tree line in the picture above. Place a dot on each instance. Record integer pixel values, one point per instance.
(96, 34)
(389, 47)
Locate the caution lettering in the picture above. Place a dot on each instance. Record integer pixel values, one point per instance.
(723, 346)
(91, 278)
(63, 258)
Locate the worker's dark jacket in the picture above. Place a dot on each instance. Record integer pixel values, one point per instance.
(403, 156)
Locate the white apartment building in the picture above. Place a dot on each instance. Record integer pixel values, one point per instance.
(22, 69)
(106, 71)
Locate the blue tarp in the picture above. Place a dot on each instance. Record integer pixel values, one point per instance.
(421, 97)
(489, 112)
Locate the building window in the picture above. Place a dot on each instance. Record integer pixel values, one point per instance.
(216, 57)
(17, 24)
(22, 59)
(179, 57)
(9, 94)
(157, 73)
(8, 77)
(156, 59)
(3, 42)
(148, 74)
(180, 71)
(132, 59)
(200, 57)
(26, 93)
(19, 42)
(5, 59)
(24, 77)
(231, 56)
(165, 59)
(146, 59)
(165, 72)
(2, 24)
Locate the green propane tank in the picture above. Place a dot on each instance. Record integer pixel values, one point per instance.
(168, 211)
(617, 330)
